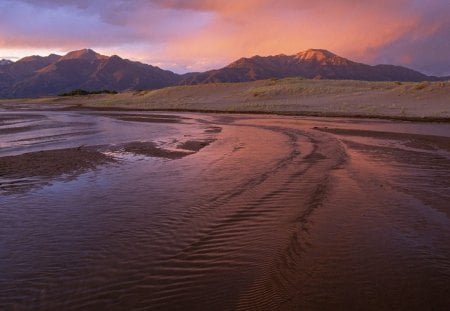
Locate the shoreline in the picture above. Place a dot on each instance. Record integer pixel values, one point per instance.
(81, 107)
(402, 101)
(425, 119)
(30, 159)
(353, 195)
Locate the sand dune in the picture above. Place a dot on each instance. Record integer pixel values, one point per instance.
(289, 96)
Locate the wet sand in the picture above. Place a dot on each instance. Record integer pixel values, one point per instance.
(51, 163)
(259, 213)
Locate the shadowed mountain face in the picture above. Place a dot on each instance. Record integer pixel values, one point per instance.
(5, 62)
(85, 69)
(310, 64)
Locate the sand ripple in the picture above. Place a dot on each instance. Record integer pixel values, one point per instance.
(270, 213)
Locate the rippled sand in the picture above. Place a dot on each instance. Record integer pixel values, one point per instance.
(260, 213)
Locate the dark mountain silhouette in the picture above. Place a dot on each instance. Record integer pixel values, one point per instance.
(15, 72)
(5, 62)
(83, 69)
(310, 64)
(90, 71)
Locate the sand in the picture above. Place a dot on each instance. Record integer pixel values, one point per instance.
(366, 230)
(152, 150)
(47, 154)
(195, 145)
(159, 118)
(427, 142)
(294, 96)
(54, 163)
(51, 163)
(279, 213)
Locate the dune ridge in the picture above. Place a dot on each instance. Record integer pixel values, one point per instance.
(402, 100)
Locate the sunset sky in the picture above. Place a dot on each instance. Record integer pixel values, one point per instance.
(195, 35)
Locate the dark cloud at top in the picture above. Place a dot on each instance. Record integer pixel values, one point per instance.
(429, 54)
(426, 46)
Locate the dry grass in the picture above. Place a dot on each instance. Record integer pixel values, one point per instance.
(293, 95)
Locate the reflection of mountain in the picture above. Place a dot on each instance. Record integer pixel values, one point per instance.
(309, 64)
(85, 69)
(37, 76)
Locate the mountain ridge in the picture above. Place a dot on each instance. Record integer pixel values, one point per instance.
(81, 69)
(312, 64)
(86, 69)
(5, 62)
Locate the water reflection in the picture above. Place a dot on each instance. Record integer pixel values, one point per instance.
(275, 213)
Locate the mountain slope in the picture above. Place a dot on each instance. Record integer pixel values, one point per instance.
(84, 69)
(312, 63)
(13, 72)
(5, 62)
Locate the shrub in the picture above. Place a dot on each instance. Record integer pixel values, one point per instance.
(421, 86)
(80, 92)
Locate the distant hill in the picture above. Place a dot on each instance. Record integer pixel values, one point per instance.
(87, 70)
(83, 69)
(311, 64)
(5, 62)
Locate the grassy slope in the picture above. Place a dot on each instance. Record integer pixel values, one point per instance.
(292, 95)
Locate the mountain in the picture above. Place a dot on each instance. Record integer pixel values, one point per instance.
(5, 62)
(313, 63)
(83, 69)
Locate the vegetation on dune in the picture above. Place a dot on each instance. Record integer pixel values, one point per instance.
(80, 92)
(287, 96)
(308, 87)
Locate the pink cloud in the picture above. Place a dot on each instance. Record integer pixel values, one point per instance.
(202, 34)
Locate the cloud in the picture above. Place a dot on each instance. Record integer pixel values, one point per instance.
(46, 23)
(263, 27)
(201, 34)
(425, 46)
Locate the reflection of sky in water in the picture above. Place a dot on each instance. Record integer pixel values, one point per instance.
(73, 129)
(422, 128)
(178, 228)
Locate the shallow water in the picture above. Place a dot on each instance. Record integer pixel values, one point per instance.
(278, 213)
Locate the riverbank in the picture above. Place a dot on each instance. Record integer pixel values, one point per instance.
(230, 212)
(415, 101)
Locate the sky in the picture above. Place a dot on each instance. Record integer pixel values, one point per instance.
(197, 35)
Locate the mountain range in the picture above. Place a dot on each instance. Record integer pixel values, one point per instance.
(5, 62)
(85, 69)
